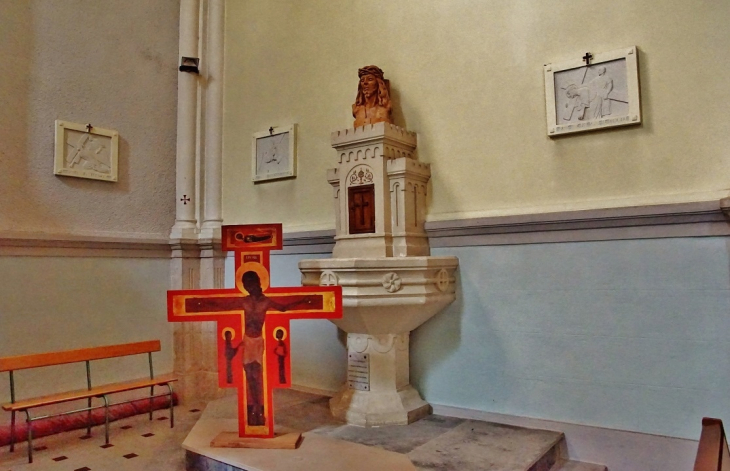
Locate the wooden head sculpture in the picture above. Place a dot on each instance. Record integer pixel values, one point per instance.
(372, 104)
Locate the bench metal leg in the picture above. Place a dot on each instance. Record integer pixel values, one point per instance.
(106, 420)
(152, 393)
(88, 419)
(172, 411)
(28, 420)
(12, 431)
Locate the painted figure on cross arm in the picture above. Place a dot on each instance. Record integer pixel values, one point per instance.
(281, 352)
(230, 354)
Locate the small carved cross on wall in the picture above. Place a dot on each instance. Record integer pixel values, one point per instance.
(88, 127)
(587, 58)
(185, 199)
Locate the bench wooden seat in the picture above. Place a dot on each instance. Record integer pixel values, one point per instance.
(11, 364)
(88, 393)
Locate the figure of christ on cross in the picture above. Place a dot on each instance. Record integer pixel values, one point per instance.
(256, 314)
(255, 307)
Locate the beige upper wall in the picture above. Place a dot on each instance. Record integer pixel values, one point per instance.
(110, 63)
(467, 76)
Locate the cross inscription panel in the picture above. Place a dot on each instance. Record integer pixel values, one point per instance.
(361, 209)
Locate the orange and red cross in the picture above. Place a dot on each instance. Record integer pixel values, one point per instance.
(251, 245)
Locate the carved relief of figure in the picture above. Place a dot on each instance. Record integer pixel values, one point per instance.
(580, 100)
(602, 86)
(593, 95)
(89, 153)
(372, 104)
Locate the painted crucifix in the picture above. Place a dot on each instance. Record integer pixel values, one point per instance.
(253, 323)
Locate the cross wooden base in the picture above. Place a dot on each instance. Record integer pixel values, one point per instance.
(286, 441)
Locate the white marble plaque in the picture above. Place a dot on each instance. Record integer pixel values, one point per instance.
(274, 154)
(602, 94)
(85, 151)
(358, 371)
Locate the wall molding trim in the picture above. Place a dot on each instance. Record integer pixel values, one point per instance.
(694, 219)
(308, 242)
(36, 244)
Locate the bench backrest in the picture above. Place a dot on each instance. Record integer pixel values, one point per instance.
(22, 362)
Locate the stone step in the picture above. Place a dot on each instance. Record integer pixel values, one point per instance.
(577, 466)
(432, 443)
(488, 446)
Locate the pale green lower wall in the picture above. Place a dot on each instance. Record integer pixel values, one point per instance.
(59, 303)
(630, 335)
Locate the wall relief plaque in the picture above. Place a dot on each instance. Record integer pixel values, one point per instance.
(274, 154)
(593, 92)
(86, 151)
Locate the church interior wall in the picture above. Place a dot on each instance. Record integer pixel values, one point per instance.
(83, 262)
(623, 334)
(467, 76)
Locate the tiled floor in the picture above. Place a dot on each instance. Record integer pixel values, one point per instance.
(136, 444)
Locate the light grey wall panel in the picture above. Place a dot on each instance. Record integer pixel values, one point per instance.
(618, 334)
(60, 303)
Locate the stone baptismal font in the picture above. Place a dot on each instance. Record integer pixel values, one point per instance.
(390, 283)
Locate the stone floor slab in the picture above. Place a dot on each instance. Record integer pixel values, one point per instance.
(484, 446)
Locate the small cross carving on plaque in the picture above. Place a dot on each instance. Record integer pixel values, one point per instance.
(185, 199)
(587, 58)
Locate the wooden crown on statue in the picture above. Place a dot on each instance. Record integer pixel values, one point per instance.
(253, 323)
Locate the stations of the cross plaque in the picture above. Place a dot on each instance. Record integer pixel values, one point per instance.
(253, 323)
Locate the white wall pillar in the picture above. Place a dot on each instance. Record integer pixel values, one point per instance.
(197, 261)
(213, 156)
(187, 90)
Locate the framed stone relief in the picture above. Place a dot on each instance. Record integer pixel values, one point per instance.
(593, 92)
(85, 151)
(274, 154)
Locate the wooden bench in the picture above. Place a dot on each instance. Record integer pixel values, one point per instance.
(713, 453)
(21, 362)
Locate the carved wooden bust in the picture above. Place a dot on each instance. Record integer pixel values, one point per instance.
(372, 104)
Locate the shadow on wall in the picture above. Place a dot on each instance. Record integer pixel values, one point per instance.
(16, 37)
(433, 343)
(458, 358)
(399, 118)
